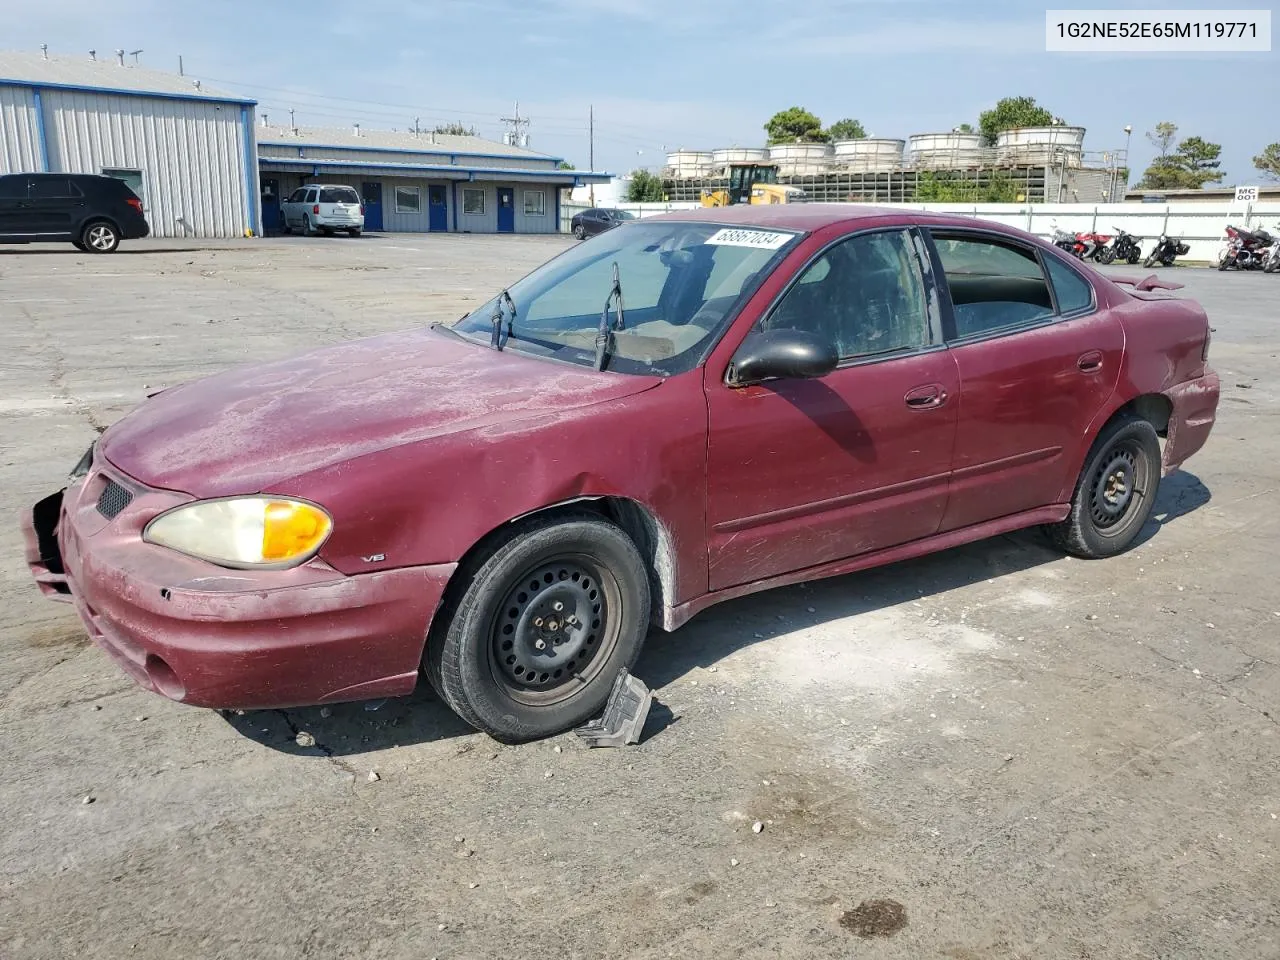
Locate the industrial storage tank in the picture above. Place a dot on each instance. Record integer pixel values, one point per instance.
(686, 164)
(946, 150)
(721, 158)
(801, 159)
(1040, 146)
(870, 153)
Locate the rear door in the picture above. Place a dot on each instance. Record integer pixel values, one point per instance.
(57, 205)
(1037, 361)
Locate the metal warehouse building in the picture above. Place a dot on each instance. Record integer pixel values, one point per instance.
(204, 168)
(420, 182)
(187, 153)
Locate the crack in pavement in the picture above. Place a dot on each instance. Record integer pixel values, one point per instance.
(57, 359)
(335, 761)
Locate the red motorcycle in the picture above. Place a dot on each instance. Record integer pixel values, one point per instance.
(1090, 245)
(1246, 249)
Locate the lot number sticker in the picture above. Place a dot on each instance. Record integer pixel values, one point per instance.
(759, 239)
(1246, 195)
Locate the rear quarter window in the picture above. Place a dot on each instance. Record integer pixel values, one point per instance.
(1072, 290)
(339, 195)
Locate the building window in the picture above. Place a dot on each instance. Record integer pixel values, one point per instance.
(473, 202)
(534, 203)
(131, 177)
(408, 199)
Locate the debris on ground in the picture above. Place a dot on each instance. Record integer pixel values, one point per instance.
(304, 739)
(326, 712)
(757, 827)
(875, 918)
(373, 776)
(88, 800)
(624, 714)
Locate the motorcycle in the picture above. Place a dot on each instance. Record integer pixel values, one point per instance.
(1166, 251)
(1091, 244)
(1272, 264)
(1064, 241)
(1246, 249)
(1125, 247)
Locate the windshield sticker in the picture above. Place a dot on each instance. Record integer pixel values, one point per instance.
(760, 239)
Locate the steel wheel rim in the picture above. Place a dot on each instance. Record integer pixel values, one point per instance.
(1118, 489)
(100, 237)
(543, 663)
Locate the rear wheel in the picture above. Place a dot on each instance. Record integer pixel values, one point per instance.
(1115, 492)
(1105, 254)
(544, 626)
(354, 231)
(79, 245)
(1134, 256)
(100, 237)
(580, 232)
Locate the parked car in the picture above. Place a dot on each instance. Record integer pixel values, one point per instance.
(506, 502)
(93, 213)
(597, 220)
(322, 208)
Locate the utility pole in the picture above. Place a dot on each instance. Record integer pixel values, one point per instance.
(591, 150)
(515, 138)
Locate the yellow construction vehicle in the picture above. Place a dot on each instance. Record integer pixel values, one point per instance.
(752, 183)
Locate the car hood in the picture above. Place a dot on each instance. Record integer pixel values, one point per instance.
(249, 428)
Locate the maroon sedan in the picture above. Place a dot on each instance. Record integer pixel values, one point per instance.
(506, 503)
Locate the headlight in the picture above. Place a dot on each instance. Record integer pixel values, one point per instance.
(81, 469)
(243, 532)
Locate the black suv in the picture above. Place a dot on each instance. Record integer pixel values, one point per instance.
(93, 212)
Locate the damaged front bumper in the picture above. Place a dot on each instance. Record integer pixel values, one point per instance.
(208, 636)
(1194, 411)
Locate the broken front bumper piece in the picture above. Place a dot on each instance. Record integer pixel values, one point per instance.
(624, 714)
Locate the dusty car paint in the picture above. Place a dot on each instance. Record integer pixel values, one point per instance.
(424, 449)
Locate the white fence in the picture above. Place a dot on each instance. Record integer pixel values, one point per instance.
(1201, 225)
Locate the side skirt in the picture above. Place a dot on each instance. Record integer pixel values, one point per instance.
(678, 616)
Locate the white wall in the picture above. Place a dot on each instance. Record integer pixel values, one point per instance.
(191, 154)
(1201, 225)
(19, 140)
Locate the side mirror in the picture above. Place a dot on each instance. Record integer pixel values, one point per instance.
(782, 355)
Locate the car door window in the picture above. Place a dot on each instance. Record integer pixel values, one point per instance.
(13, 188)
(1073, 292)
(995, 284)
(297, 196)
(53, 188)
(866, 295)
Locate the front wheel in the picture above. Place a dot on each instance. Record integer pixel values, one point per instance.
(100, 237)
(1115, 492)
(1105, 255)
(1134, 256)
(307, 229)
(543, 628)
(1150, 261)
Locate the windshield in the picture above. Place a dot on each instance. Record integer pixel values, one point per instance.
(681, 282)
(339, 195)
(622, 214)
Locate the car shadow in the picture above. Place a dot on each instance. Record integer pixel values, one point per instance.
(727, 628)
(346, 729)
(122, 250)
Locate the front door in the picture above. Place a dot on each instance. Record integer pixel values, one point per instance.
(269, 190)
(805, 472)
(1037, 364)
(437, 208)
(15, 205)
(371, 197)
(506, 210)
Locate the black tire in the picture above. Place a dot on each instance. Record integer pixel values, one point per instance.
(354, 231)
(79, 245)
(1105, 254)
(1224, 261)
(1149, 262)
(478, 654)
(100, 236)
(1134, 257)
(284, 225)
(1115, 493)
(580, 232)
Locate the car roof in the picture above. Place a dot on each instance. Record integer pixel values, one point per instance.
(789, 216)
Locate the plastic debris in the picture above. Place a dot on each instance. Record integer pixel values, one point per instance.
(624, 714)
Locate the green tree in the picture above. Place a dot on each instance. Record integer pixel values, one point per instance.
(565, 165)
(1268, 161)
(1189, 166)
(1012, 112)
(645, 187)
(795, 125)
(455, 130)
(965, 128)
(846, 129)
(946, 188)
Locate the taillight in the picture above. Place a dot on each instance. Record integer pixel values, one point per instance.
(316, 208)
(135, 203)
(362, 209)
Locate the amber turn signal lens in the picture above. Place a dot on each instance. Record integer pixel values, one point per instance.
(291, 529)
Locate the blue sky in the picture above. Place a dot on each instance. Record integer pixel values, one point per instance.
(664, 74)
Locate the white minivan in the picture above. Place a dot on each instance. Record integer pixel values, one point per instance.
(323, 208)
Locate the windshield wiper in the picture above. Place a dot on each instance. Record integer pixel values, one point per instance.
(496, 340)
(604, 336)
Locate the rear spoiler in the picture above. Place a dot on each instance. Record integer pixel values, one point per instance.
(1147, 284)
